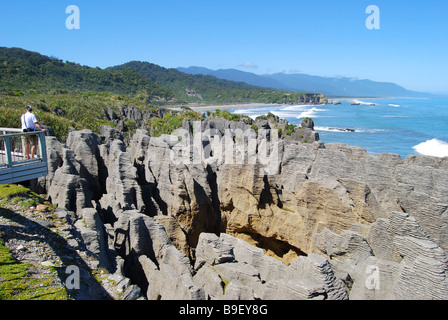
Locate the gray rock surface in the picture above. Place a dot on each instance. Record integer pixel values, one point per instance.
(122, 190)
(92, 231)
(85, 144)
(263, 276)
(67, 189)
(315, 221)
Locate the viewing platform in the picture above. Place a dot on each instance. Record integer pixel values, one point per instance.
(14, 166)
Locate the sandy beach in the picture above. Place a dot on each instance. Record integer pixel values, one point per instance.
(223, 107)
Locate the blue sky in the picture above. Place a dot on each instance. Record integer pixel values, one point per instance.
(320, 37)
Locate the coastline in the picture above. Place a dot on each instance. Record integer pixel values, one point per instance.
(224, 107)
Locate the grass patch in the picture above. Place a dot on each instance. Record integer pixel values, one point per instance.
(16, 282)
(18, 195)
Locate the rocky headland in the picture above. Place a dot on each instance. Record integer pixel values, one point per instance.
(243, 210)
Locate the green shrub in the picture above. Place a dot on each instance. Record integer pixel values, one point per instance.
(171, 122)
(280, 132)
(289, 129)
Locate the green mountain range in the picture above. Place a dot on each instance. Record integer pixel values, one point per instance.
(206, 88)
(330, 86)
(22, 70)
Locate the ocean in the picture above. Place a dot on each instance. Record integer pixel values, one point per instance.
(405, 126)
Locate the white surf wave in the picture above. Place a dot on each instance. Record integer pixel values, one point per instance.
(394, 105)
(372, 130)
(334, 129)
(284, 114)
(434, 148)
(311, 113)
(246, 111)
(348, 130)
(365, 103)
(294, 108)
(301, 107)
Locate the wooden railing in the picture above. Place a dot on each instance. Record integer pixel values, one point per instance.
(14, 166)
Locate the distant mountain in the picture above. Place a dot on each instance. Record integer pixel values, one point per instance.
(237, 75)
(206, 88)
(187, 87)
(331, 86)
(342, 86)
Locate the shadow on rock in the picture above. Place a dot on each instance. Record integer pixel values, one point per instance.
(29, 230)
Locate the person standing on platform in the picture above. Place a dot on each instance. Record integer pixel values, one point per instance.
(30, 124)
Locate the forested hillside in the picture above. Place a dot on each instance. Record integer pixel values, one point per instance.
(206, 88)
(22, 70)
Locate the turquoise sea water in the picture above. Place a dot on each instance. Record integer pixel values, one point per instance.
(397, 125)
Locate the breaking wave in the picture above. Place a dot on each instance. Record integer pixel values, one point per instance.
(365, 103)
(333, 129)
(311, 113)
(349, 130)
(434, 148)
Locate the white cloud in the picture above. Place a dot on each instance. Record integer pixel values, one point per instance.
(249, 64)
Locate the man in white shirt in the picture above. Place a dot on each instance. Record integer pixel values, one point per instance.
(29, 124)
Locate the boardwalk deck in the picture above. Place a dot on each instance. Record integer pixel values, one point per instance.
(14, 167)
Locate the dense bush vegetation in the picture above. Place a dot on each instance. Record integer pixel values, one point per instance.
(60, 111)
(171, 122)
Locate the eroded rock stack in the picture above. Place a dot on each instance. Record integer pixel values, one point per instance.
(315, 221)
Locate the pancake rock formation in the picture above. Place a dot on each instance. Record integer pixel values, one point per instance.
(218, 210)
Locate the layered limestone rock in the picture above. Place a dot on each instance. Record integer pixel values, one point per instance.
(397, 260)
(152, 260)
(179, 190)
(237, 214)
(67, 189)
(242, 270)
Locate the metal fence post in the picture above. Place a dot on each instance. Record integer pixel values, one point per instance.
(43, 147)
(23, 147)
(8, 151)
